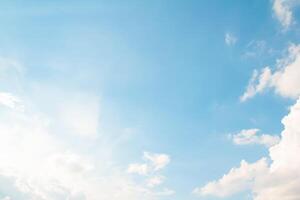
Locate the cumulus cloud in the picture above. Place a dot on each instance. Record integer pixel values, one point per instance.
(278, 179)
(230, 39)
(252, 136)
(284, 79)
(237, 180)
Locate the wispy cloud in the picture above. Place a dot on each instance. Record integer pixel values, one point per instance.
(230, 39)
(150, 169)
(252, 136)
(154, 162)
(257, 84)
(11, 101)
(283, 12)
(284, 80)
(258, 49)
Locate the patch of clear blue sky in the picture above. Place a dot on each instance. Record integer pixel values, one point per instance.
(162, 66)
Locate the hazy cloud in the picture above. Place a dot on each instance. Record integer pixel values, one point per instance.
(252, 136)
(283, 12)
(230, 39)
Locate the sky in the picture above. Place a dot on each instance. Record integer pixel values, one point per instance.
(151, 100)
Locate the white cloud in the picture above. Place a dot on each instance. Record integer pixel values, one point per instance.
(251, 136)
(284, 80)
(11, 101)
(150, 169)
(283, 12)
(158, 161)
(37, 162)
(42, 155)
(257, 83)
(154, 162)
(237, 180)
(230, 39)
(279, 180)
(26, 147)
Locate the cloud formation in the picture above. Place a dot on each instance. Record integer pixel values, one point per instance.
(159, 161)
(11, 101)
(41, 156)
(277, 179)
(277, 176)
(151, 168)
(284, 80)
(283, 12)
(154, 162)
(251, 136)
(257, 48)
(237, 180)
(36, 164)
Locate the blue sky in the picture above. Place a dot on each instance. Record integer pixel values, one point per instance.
(114, 79)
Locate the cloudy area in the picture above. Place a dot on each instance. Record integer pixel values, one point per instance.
(150, 100)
